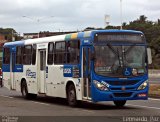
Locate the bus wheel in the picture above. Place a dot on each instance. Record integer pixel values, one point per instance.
(24, 90)
(71, 95)
(120, 103)
(25, 93)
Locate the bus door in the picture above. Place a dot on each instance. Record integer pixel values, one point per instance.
(42, 71)
(86, 63)
(12, 74)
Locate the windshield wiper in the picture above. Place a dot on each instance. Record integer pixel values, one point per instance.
(124, 53)
(115, 52)
(130, 48)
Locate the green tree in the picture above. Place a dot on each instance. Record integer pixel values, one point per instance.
(8, 33)
(152, 34)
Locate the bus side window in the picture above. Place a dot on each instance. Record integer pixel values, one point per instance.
(73, 50)
(6, 56)
(27, 54)
(19, 55)
(34, 54)
(50, 53)
(60, 51)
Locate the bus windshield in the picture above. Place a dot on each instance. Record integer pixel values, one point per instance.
(113, 61)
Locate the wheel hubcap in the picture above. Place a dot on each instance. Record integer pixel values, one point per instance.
(24, 91)
(71, 96)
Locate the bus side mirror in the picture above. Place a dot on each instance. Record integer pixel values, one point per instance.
(149, 55)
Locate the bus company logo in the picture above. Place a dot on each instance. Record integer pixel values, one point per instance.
(67, 71)
(31, 74)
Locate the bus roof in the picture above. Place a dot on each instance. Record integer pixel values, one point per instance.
(16, 43)
(85, 34)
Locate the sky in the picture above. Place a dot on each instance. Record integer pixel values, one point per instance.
(27, 16)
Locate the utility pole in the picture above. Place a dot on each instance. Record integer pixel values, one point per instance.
(121, 14)
(12, 35)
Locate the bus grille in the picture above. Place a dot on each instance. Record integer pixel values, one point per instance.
(122, 94)
(121, 88)
(122, 83)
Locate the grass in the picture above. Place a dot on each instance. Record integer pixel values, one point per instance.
(154, 90)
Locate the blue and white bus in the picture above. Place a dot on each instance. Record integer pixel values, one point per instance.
(98, 65)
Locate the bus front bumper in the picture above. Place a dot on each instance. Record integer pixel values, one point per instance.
(119, 95)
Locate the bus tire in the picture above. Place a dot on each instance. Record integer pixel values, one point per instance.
(24, 89)
(33, 96)
(71, 95)
(120, 103)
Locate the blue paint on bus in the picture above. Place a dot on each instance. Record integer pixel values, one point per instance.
(18, 68)
(6, 67)
(67, 71)
(14, 44)
(15, 67)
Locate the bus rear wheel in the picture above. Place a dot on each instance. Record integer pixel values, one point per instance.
(25, 93)
(120, 103)
(71, 95)
(24, 89)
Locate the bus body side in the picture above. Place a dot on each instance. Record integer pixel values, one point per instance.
(52, 76)
(49, 79)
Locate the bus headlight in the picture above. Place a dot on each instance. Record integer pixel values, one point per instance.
(100, 86)
(143, 85)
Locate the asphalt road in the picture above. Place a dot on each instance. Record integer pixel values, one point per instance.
(44, 108)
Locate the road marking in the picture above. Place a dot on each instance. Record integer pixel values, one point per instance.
(6, 96)
(92, 111)
(154, 99)
(32, 101)
(141, 106)
(88, 111)
(41, 103)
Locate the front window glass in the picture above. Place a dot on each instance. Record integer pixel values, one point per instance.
(120, 61)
